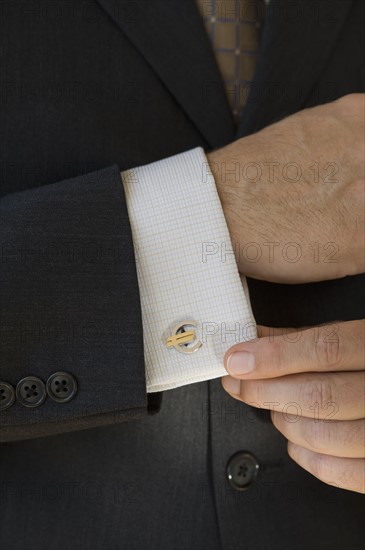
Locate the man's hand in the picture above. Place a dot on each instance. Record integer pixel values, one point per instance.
(313, 382)
(293, 195)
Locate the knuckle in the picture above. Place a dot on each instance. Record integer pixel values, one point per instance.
(328, 350)
(318, 392)
(318, 435)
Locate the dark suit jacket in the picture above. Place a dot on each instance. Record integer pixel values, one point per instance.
(89, 88)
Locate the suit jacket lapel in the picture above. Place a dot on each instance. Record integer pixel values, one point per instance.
(171, 37)
(298, 38)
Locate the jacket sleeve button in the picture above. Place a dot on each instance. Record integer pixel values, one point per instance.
(7, 395)
(31, 391)
(61, 387)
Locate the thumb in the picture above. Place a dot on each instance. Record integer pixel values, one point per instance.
(278, 352)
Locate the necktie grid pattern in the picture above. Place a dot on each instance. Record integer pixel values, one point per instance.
(233, 28)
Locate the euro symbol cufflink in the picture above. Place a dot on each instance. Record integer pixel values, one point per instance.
(181, 337)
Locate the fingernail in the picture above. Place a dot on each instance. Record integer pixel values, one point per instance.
(241, 362)
(232, 385)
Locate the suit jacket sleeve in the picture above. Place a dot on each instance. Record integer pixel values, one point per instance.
(70, 302)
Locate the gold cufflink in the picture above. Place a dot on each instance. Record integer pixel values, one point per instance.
(181, 337)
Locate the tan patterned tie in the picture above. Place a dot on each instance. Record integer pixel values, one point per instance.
(233, 28)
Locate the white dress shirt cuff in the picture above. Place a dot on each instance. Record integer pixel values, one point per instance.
(186, 270)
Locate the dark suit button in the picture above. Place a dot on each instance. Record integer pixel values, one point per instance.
(31, 391)
(61, 387)
(7, 395)
(242, 470)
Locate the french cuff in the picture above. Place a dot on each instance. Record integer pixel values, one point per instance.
(194, 305)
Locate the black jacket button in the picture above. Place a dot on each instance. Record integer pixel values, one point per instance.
(31, 391)
(242, 470)
(61, 387)
(7, 395)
